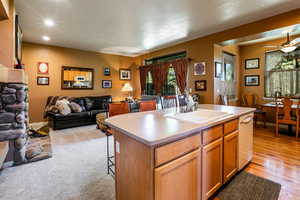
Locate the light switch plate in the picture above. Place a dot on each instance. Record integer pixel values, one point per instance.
(117, 147)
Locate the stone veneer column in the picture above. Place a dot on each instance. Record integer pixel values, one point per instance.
(14, 112)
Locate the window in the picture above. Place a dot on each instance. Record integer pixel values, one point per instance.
(170, 86)
(282, 73)
(149, 85)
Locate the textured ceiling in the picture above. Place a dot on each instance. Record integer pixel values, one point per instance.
(133, 27)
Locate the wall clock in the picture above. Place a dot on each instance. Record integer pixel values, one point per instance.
(43, 68)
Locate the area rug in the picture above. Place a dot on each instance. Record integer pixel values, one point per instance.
(38, 148)
(247, 186)
(38, 145)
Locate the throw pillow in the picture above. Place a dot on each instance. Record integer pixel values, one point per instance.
(63, 107)
(75, 107)
(81, 102)
(53, 109)
(89, 104)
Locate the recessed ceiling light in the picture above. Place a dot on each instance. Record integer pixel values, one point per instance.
(49, 22)
(46, 38)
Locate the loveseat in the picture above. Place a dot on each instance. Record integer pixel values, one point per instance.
(91, 106)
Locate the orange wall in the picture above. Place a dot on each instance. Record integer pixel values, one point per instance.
(7, 55)
(58, 57)
(202, 49)
(256, 51)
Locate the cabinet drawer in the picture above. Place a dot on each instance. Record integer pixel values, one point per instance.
(176, 149)
(231, 126)
(212, 134)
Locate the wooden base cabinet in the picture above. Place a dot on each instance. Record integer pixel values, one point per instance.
(179, 179)
(212, 156)
(230, 155)
(192, 168)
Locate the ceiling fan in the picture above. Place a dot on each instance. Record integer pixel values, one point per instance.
(288, 46)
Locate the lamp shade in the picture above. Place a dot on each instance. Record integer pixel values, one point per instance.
(127, 88)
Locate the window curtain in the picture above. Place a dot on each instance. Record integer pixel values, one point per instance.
(159, 73)
(143, 77)
(282, 74)
(181, 70)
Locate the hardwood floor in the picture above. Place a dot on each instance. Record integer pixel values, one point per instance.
(277, 159)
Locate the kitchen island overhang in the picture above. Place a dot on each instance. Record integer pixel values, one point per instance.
(154, 128)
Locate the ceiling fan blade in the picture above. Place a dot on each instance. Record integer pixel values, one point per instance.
(295, 41)
(271, 46)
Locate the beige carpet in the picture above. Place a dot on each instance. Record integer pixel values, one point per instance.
(77, 170)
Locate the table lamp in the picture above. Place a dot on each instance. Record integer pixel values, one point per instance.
(127, 88)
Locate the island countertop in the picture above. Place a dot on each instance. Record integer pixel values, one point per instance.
(157, 127)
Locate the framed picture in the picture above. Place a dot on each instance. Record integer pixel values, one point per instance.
(43, 68)
(200, 85)
(106, 83)
(218, 70)
(199, 68)
(125, 74)
(19, 38)
(106, 71)
(252, 80)
(42, 80)
(252, 63)
(229, 72)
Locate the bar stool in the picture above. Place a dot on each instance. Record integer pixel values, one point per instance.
(113, 110)
(147, 105)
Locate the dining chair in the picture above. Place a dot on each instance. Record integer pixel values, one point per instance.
(224, 100)
(118, 109)
(250, 100)
(147, 105)
(169, 102)
(284, 114)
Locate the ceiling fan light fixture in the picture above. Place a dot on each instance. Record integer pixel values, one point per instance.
(288, 49)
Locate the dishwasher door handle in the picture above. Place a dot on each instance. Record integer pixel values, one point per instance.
(247, 120)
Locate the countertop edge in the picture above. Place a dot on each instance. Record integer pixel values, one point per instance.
(180, 136)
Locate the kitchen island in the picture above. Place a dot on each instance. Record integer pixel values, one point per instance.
(173, 154)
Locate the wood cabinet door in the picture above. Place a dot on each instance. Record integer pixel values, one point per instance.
(212, 168)
(179, 179)
(230, 155)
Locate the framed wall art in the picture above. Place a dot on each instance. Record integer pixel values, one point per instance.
(199, 68)
(125, 74)
(43, 68)
(43, 80)
(106, 83)
(252, 63)
(106, 71)
(252, 80)
(77, 78)
(200, 85)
